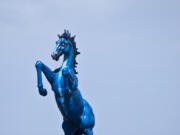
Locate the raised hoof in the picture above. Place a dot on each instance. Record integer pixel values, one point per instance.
(42, 91)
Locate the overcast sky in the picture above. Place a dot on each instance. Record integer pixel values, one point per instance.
(129, 67)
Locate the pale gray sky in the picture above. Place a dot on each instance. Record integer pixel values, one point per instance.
(128, 67)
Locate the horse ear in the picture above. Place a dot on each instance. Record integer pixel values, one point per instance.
(69, 34)
(73, 37)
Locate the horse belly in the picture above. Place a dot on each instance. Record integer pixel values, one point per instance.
(61, 105)
(75, 106)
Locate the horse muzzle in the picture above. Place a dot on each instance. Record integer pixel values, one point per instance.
(55, 56)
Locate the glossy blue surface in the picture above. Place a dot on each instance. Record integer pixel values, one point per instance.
(77, 113)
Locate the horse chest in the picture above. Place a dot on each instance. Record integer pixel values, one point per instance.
(59, 80)
(60, 84)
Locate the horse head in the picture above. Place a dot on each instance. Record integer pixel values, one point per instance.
(64, 44)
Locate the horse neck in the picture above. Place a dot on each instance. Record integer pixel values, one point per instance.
(68, 59)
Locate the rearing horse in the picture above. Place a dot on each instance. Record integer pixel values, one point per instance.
(78, 117)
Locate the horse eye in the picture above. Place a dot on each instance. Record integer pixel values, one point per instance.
(62, 43)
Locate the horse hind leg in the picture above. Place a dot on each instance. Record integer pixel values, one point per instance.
(69, 128)
(87, 119)
(88, 132)
(79, 132)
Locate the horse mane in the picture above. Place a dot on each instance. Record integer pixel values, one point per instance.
(67, 36)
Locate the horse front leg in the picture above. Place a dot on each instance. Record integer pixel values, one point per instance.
(40, 67)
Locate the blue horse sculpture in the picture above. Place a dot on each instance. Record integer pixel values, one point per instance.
(78, 117)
